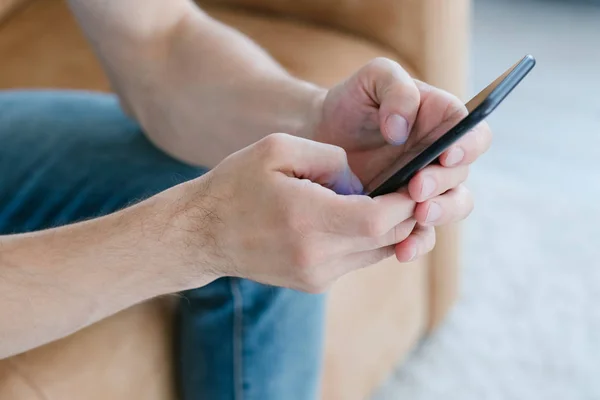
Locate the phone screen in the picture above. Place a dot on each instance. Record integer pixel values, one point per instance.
(454, 126)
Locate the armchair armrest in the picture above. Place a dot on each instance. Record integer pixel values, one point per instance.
(431, 34)
(8, 6)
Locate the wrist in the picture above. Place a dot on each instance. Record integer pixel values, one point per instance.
(173, 245)
(314, 115)
(87, 271)
(92, 269)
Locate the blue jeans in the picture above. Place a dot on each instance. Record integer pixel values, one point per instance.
(69, 156)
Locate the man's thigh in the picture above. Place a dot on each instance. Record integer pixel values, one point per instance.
(65, 157)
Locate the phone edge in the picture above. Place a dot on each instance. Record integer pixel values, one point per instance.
(482, 111)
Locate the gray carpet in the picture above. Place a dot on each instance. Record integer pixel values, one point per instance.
(527, 325)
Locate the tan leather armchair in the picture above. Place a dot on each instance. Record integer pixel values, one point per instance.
(375, 316)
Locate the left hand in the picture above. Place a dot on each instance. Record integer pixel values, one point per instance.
(376, 115)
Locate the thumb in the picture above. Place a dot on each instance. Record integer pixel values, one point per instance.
(397, 95)
(320, 163)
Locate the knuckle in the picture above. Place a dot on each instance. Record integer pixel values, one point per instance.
(463, 201)
(411, 94)
(304, 258)
(374, 226)
(273, 144)
(470, 204)
(340, 156)
(403, 230)
(301, 259)
(464, 174)
(382, 64)
(388, 252)
(397, 78)
(455, 109)
(382, 254)
(464, 194)
(334, 221)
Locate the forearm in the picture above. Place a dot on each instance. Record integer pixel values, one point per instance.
(228, 91)
(205, 69)
(55, 282)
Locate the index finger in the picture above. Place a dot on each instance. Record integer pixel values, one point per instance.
(365, 216)
(392, 88)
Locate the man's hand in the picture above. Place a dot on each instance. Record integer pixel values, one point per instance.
(378, 114)
(270, 213)
(380, 111)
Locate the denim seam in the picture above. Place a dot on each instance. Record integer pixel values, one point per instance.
(238, 337)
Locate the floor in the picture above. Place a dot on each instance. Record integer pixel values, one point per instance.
(527, 325)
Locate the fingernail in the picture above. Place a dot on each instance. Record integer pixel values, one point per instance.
(413, 253)
(397, 129)
(455, 156)
(356, 184)
(428, 187)
(434, 212)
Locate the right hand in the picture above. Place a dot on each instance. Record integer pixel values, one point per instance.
(281, 212)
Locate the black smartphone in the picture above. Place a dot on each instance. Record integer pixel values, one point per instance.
(427, 150)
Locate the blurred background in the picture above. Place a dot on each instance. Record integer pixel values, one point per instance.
(527, 325)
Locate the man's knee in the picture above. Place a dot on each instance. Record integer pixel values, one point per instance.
(73, 155)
